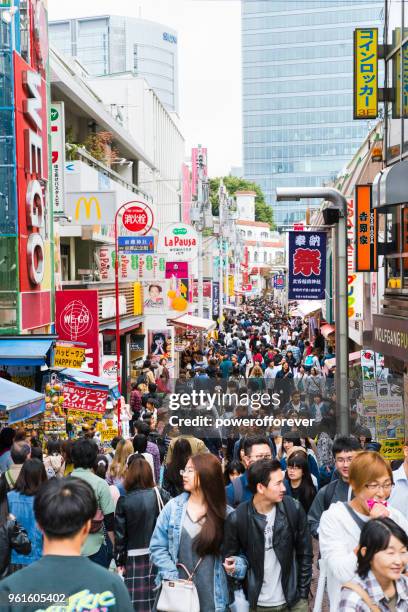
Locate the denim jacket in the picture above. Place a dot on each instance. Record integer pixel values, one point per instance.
(22, 507)
(165, 545)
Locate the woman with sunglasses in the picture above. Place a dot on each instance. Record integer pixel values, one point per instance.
(135, 519)
(381, 561)
(189, 534)
(371, 481)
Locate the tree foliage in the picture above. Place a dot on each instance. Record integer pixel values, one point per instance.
(263, 212)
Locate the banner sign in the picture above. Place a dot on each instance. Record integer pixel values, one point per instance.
(355, 286)
(178, 269)
(215, 298)
(58, 156)
(366, 230)
(77, 320)
(131, 267)
(69, 357)
(178, 241)
(136, 244)
(206, 289)
(279, 280)
(109, 367)
(307, 265)
(392, 449)
(365, 73)
(82, 398)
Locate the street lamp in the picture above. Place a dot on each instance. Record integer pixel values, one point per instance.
(339, 203)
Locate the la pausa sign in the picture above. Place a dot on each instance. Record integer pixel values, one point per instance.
(181, 240)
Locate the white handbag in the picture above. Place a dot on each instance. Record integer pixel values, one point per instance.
(179, 595)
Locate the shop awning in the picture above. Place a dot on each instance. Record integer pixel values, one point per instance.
(25, 350)
(327, 330)
(191, 322)
(89, 380)
(21, 403)
(330, 363)
(125, 325)
(306, 308)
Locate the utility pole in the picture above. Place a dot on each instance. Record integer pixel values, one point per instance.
(221, 196)
(338, 201)
(199, 227)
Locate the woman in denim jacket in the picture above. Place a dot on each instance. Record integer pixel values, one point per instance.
(21, 505)
(189, 531)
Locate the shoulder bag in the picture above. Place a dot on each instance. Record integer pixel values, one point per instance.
(179, 595)
(363, 594)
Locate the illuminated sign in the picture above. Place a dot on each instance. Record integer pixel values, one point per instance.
(365, 73)
(366, 230)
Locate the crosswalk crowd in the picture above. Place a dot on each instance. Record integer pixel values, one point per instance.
(188, 519)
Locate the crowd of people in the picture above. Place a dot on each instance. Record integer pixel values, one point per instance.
(186, 519)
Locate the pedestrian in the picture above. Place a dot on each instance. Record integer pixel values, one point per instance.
(399, 495)
(382, 558)
(54, 461)
(64, 508)
(255, 448)
(299, 480)
(197, 445)
(21, 505)
(172, 478)
(284, 384)
(314, 385)
(233, 470)
(140, 447)
(370, 478)
(267, 543)
(117, 468)
(189, 532)
(135, 519)
(318, 408)
(13, 537)
(66, 448)
(19, 453)
(6, 440)
(84, 455)
(142, 427)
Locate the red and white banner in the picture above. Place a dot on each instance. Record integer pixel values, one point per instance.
(82, 398)
(77, 320)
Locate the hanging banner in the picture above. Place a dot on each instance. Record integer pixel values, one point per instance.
(109, 367)
(355, 284)
(215, 298)
(307, 265)
(58, 156)
(83, 398)
(279, 281)
(178, 269)
(366, 230)
(365, 73)
(131, 267)
(77, 321)
(69, 357)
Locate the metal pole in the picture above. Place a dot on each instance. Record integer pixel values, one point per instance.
(341, 299)
(221, 262)
(117, 317)
(200, 275)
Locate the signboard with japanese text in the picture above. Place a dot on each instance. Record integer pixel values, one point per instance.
(366, 230)
(178, 269)
(69, 357)
(58, 156)
(136, 245)
(215, 298)
(365, 73)
(131, 267)
(400, 76)
(279, 280)
(307, 265)
(77, 321)
(355, 285)
(178, 241)
(83, 398)
(392, 449)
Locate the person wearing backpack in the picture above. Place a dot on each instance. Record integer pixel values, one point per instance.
(269, 534)
(255, 448)
(54, 461)
(345, 448)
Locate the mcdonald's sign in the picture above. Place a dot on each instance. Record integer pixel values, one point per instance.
(91, 208)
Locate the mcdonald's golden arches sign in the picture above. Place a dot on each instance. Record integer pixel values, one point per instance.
(91, 207)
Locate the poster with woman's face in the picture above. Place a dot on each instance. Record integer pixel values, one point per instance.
(160, 344)
(155, 297)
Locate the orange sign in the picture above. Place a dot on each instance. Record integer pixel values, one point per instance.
(366, 230)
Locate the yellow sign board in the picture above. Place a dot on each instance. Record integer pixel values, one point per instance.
(68, 357)
(365, 73)
(137, 299)
(108, 434)
(83, 414)
(392, 449)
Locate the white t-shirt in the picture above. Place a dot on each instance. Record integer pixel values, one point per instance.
(271, 592)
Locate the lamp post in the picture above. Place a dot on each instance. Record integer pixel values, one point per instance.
(140, 223)
(338, 202)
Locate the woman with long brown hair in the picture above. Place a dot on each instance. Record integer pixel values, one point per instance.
(188, 535)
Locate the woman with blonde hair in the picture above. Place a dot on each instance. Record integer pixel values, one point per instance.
(117, 468)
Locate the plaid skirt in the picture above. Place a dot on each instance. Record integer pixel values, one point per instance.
(139, 580)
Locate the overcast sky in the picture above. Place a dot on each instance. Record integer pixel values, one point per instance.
(209, 38)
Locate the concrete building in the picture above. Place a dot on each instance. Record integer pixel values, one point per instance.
(110, 44)
(297, 71)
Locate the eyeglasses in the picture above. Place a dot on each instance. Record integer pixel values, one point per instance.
(188, 471)
(375, 486)
(343, 460)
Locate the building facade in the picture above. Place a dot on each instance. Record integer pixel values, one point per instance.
(297, 66)
(112, 44)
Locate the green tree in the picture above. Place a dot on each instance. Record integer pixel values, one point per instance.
(263, 212)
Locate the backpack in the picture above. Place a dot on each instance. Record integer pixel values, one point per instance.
(309, 361)
(142, 379)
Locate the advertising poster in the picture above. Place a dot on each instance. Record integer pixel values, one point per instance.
(307, 265)
(178, 269)
(83, 398)
(109, 366)
(368, 364)
(179, 242)
(160, 343)
(155, 297)
(77, 321)
(390, 426)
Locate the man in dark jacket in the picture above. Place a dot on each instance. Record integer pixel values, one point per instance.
(344, 450)
(271, 536)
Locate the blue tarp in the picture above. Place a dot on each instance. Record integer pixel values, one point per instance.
(24, 351)
(89, 380)
(21, 403)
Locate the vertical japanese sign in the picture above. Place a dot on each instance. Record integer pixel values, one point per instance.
(307, 265)
(365, 73)
(215, 298)
(58, 155)
(400, 78)
(77, 320)
(366, 230)
(198, 159)
(355, 286)
(279, 281)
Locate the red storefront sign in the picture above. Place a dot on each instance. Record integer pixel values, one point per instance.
(247, 287)
(82, 398)
(206, 289)
(77, 320)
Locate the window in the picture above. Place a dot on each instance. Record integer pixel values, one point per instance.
(256, 257)
(265, 257)
(249, 233)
